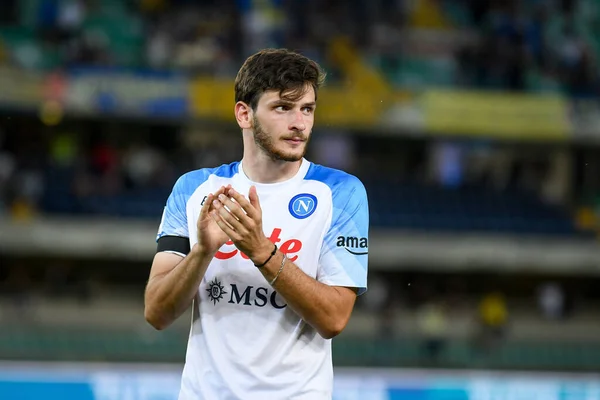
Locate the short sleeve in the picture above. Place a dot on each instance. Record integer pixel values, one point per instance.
(344, 254)
(174, 217)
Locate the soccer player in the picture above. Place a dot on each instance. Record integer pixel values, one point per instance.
(270, 251)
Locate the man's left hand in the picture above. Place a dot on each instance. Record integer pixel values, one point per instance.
(241, 220)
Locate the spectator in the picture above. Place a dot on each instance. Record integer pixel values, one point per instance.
(433, 326)
(7, 170)
(377, 302)
(551, 301)
(493, 320)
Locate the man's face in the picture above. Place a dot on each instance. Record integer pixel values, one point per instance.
(282, 127)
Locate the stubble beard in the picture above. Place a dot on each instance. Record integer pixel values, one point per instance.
(265, 142)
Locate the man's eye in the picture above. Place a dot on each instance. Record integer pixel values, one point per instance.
(281, 108)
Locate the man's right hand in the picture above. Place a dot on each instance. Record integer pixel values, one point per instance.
(174, 280)
(210, 236)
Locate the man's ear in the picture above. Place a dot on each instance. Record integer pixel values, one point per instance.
(243, 115)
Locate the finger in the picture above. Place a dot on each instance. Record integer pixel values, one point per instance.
(231, 234)
(243, 203)
(206, 206)
(253, 197)
(225, 215)
(234, 208)
(222, 189)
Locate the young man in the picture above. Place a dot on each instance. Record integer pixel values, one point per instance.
(271, 251)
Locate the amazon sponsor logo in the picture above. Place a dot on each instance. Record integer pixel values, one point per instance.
(354, 245)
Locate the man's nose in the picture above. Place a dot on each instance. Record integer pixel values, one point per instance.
(297, 123)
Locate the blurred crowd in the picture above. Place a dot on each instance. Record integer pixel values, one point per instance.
(39, 166)
(534, 45)
(510, 44)
(56, 168)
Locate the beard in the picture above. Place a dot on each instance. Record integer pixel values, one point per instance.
(266, 142)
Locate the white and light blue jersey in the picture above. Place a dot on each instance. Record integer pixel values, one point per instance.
(245, 343)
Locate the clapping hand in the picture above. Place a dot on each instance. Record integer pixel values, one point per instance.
(210, 236)
(241, 220)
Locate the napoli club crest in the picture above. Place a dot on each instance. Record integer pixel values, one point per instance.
(302, 205)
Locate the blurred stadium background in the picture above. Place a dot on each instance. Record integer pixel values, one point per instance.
(474, 124)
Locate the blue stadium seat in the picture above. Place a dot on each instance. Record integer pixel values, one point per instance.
(410, 206)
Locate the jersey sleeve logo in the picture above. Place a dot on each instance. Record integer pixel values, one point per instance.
(302, 205)
(359, 246)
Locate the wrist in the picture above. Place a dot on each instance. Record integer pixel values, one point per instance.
(263, 253)
(201, 252)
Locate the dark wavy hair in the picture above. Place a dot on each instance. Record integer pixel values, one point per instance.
(277, 69)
